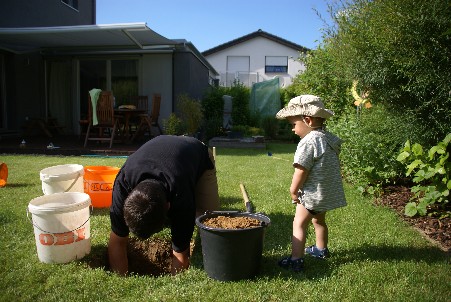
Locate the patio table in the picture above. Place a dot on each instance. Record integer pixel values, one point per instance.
(128, 114)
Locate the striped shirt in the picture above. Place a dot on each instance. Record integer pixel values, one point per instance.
(318, 152)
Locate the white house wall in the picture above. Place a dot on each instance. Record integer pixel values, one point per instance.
(157, 78)
(257, 49)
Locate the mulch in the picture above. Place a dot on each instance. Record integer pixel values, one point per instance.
(436, 230)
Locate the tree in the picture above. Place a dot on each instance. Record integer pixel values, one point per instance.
(400, 50)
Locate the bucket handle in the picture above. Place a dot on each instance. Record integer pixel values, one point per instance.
(208, 212)
(71, 185)
(36, 226)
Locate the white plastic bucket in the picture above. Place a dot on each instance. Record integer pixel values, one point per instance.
(61, 226)
(62, 178)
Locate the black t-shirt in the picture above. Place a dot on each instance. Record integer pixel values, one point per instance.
(177, 162)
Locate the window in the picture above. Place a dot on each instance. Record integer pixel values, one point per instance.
(276, 64)
(71, 3)
(124, 80)
(236, 65)
(120, 76)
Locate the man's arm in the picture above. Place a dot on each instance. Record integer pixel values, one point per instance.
(117, 254)
(180, 261)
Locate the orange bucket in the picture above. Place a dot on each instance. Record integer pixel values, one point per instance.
(98, 184)
(3, 174)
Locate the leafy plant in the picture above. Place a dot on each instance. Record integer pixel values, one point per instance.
(432, 175)
(271, 126)
(190, 113)
(240, 103)
(173, 125)
(213, 110)
(248, 130)
(371, 142)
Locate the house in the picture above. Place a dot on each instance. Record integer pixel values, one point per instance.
(256, 57)
(52, 53)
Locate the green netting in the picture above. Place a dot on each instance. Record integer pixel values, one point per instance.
(265, 98)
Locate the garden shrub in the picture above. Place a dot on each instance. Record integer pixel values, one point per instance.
(190, 113)
(399, 50)
(240, 104)
(271, 126)
(372, 139)
(213, 110)
(285, 132)
(432, 174)
(248, 131)
(173, 125)
(187, 119)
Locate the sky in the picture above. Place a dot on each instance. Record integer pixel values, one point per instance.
(209, 23)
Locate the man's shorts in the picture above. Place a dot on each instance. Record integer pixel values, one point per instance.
(207, 196)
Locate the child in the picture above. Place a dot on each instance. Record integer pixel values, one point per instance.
(316, 186)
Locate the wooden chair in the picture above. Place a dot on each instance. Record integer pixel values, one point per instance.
(83, 122)
(147, 121)
(142, 103)
(108, 123)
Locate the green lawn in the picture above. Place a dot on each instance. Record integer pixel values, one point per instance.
(375, 255)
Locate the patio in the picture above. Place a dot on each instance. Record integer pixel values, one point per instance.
(65, 145)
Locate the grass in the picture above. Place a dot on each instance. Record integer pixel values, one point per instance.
(375, 255)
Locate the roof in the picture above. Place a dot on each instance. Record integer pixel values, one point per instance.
(119, 38)
(255, 34)
(124, 36)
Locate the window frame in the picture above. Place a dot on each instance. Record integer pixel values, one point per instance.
(71, 3)
(273, 68)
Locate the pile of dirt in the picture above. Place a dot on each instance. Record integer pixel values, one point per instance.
(152, 257)
(149, 257)
(226, 222)
(432, 227)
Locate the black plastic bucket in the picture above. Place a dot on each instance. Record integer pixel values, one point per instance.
(232, 254)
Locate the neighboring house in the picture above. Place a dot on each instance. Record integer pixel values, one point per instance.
(52, 53)
(256, 57)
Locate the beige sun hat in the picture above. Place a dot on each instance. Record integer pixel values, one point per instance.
(306, 104)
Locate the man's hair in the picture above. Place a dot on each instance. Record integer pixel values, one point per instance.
(145, 209)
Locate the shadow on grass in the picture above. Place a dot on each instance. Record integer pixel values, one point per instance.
(279, 234)
(97, 258)
(232, 204)
(19, 185)
(390, 253)
(101, 212)
(151, 257)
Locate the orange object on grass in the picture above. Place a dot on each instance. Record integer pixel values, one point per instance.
(98, 184)
(3, 174)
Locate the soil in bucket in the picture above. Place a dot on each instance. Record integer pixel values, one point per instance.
(98, 183)
(62, 178)
(232, 244)
(61, 226)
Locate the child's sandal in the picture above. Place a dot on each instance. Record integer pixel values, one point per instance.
(294, 265)
(316, 252)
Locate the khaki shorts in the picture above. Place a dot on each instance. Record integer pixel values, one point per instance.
(207, 196)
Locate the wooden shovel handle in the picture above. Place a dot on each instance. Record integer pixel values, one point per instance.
(243, 191)
(247, 203)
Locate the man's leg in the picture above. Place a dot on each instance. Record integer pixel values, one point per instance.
(207, 196)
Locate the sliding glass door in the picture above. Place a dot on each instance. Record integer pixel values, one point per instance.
(119, 76)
